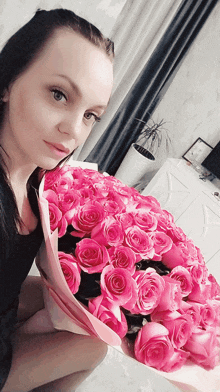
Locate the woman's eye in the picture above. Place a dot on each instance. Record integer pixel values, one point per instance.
(58, 95)
(92, 116)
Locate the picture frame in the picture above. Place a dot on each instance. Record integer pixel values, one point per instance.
(198, 151)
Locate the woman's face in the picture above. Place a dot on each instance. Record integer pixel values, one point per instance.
(52, 106)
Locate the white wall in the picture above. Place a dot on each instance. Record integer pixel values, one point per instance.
(191, 106)
(15, 13)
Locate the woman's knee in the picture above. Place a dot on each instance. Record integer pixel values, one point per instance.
(45, 358)
(101, 350)
(92, 350)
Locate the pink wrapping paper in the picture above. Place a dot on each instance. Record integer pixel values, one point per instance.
(66, 313)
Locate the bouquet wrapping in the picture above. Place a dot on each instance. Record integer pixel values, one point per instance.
(65, 311)
(115, 265)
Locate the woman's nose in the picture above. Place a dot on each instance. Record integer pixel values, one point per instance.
(72, 125)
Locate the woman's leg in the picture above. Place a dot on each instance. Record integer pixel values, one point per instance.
(67, 384)
(45, 358)
(56, 361)
(31, 297)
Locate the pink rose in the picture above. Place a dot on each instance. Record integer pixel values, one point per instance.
(51, 197)
(200, 293)
(78, 177)
(150, 286)
(176, 233)
(62, 226)
(51, 178)
(200, 257)
(101, 190)
(109, 314)
(70, 270)
(159, 316)
(111, 207)
(148, 202)
(179, 327)
(86, 195)
(196, 272)
(177, 360)
(118, 285)
(171, 296)
(108, 232)
(196, 263)
(113, 181)
(112, 202)
(209, 314)
(88, 216)
(54, 212)
(93, 174)
(126, 219)
(140, 242)
(203, 348)
(101, 186)
(63, 182)
(124, 192)
(91, 256)
(189, 251)
(122, 257)
(145, 220)
(162, 243)
(183, 276)
(165, 221)
(192, 309)
(68, 200)
(215, 287)
(152, 346)
(173, 257)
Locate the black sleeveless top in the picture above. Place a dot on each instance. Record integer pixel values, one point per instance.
(14, 268)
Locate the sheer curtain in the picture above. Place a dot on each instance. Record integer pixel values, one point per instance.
(150, 85)
(137, 32)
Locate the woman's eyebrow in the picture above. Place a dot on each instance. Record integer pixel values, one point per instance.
(73, 84)
(76, 88)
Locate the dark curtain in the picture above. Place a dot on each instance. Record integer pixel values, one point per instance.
(150, 86)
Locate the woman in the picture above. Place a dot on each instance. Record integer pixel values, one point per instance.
(55, 83)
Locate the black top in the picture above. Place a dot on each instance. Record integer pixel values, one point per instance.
(14, 268)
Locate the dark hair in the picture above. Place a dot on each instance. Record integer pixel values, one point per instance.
(23, 47)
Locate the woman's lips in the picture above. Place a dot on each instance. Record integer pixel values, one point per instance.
(58, 149)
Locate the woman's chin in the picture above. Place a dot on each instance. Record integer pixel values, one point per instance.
(49, 164)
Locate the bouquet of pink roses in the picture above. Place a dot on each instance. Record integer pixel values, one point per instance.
(126, 261)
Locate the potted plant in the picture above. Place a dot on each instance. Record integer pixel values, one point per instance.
(152, 135)
(141, 155)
